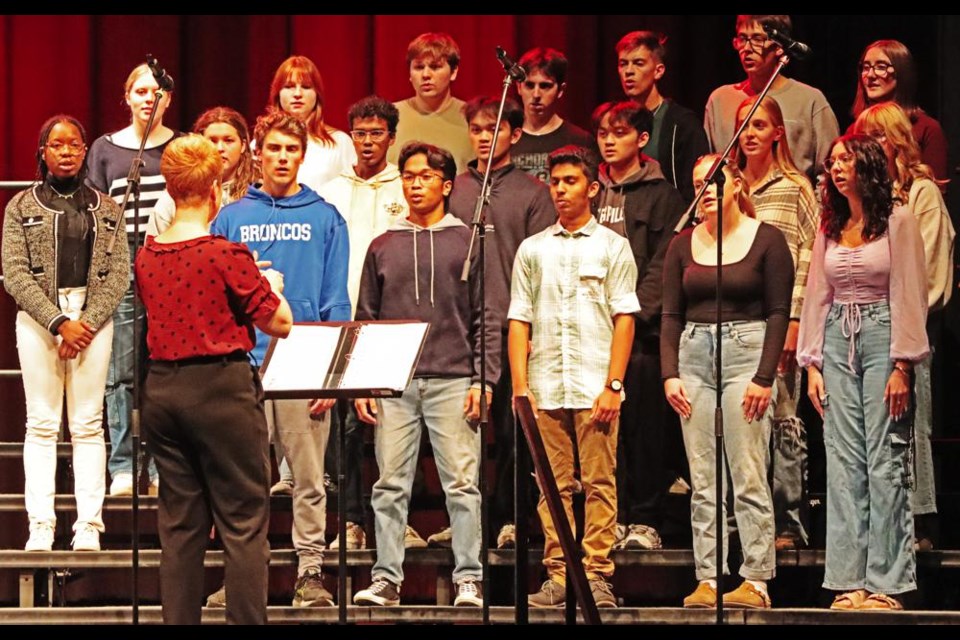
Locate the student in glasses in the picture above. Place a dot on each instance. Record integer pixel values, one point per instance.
(861, 332)
(887, 72)
(369, 196)
(55, 237)
(810, 122)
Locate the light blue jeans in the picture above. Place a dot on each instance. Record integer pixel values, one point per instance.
(869, 521)
(119, 393)
(789, 458)
(436, 403)
(746, 447)
(923, 497)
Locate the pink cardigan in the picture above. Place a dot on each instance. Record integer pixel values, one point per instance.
(908, 295)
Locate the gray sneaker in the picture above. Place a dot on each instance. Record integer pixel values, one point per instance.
(381, 593)
(218, 599)
(552, 595)
(602, 592)
(309, 591)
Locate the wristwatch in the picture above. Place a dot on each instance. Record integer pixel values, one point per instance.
(615, 385)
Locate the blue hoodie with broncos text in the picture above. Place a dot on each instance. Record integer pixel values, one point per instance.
(306, 240)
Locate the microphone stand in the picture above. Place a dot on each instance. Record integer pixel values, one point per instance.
(685, 218)
(133, 188)
(716, 176)
(480, 232)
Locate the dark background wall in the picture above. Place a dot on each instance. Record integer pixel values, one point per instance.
(78, 64)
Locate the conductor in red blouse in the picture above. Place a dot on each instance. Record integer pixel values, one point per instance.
(202, 401)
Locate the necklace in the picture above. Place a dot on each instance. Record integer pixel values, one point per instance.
(65, 195)
(657, 110)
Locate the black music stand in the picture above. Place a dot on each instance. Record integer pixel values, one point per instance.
(343, 360)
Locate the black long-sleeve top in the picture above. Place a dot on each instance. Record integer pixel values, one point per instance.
(758, 287)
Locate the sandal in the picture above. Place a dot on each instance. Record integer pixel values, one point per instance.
(881, 602)
(850, 600)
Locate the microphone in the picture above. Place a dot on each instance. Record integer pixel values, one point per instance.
(163, 79)
(513, 69)
(794, 48)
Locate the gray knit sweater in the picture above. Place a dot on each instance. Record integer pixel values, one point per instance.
(30, 259)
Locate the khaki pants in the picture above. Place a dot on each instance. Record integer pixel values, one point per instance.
(597, 448)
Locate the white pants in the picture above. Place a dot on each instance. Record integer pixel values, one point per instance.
(45, 378)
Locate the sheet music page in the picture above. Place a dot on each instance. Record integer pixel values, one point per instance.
(383, 356)
(302, 359)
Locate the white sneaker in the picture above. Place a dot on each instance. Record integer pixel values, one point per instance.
(122, 485)
(41, 537)
(86, 538)
(469, 593)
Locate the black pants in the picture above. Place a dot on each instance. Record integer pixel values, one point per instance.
(205, 426)
(645, 417)
(504, 424)
(352, 461)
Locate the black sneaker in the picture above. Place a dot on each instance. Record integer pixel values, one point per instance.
(381, 593)
(310, 592)
(469, 593)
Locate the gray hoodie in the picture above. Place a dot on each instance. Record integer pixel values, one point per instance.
(413, 273)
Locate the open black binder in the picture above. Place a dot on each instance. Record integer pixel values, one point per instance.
(343, 359)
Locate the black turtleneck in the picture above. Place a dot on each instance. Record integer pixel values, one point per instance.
(74, 229)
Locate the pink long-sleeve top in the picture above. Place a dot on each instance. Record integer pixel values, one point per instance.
(889, 268)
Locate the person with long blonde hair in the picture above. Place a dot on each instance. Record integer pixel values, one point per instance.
(109, 163)
(915, 186)
(757, 281)
(297, 89)
(782, 196)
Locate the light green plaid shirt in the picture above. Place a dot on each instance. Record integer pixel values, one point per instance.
(568, 287)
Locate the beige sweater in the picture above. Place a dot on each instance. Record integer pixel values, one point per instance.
(927, 205)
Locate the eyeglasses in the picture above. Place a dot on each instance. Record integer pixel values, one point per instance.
(424, 178)
(757, 41)
(60, 147)
(845, 159)
(880, 69)
(376, 135)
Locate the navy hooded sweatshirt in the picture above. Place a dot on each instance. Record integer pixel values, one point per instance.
(413, 273)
